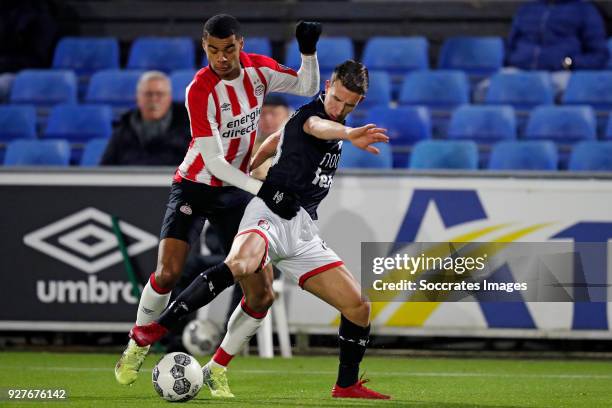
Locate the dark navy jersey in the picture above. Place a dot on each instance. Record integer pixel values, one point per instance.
(303, 163)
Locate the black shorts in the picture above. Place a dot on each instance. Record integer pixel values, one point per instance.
(191, 204)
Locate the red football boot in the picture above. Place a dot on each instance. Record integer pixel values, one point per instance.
(357, 390)
(147, 334)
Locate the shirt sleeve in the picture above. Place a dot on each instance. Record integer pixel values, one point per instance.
(203, 120)
(212, 152)
(304, 82)
(202, 111)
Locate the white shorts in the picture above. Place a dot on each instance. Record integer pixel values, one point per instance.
(293, 246)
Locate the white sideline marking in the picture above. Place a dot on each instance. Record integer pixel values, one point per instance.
(321, 372)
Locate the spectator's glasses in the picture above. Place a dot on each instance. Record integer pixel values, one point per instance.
(154, 94)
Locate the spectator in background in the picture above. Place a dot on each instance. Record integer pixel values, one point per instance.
(274, 114)
(156, 133)
(557, 36)
(28, 32)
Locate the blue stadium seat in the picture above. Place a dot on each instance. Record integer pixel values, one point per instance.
(405, 126)
(562, 124)
(258, 45)
(180, 80)
(113, 87)
(331, 51)
(607, 134)
(79, 123)
(17, 122)
(44, 88)
(591, 156)
(162, 53)
(440, 91)
(590, 88)
(396, 55)
(524, 155)
(444, 154)
(86, 55)
(479, 56)
(94, 149)
(522, 90)
(37, 153)
(379, 91)
(295, 101)
(353, 157)
(435, 89)
(483, 124)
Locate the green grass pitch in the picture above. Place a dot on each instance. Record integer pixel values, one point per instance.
(306, 382)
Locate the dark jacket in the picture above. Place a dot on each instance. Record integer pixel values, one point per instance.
(125, 148)
(544, 32)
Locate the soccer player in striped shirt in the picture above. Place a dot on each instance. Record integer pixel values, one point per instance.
(224, 104)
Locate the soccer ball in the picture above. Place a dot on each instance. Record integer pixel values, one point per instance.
(201, 337)
(177, 377)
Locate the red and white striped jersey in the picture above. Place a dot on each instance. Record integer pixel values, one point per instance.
(230, 111)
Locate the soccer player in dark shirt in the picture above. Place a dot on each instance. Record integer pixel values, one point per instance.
(307, 154)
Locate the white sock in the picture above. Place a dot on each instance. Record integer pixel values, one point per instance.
(242, 325)
(153, 301)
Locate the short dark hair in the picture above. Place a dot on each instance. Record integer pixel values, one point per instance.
(353, 75)
(221, 26)
(275, 100)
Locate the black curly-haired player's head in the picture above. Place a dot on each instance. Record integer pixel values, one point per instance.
(346, 88)
(222, 42)
(222, 26)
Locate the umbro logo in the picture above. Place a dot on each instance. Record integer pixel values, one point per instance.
(225, 107)
(86, 241)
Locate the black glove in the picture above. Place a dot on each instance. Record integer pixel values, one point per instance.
(307, 34)
(282, 202)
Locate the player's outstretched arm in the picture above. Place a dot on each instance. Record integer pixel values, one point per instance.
(266, 150)
(307, 34)
(362, 137)
(307, 80)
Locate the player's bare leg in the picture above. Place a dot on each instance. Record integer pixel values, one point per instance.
(154, 299)
(244, 259)
(339, 288)
(243, 324)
